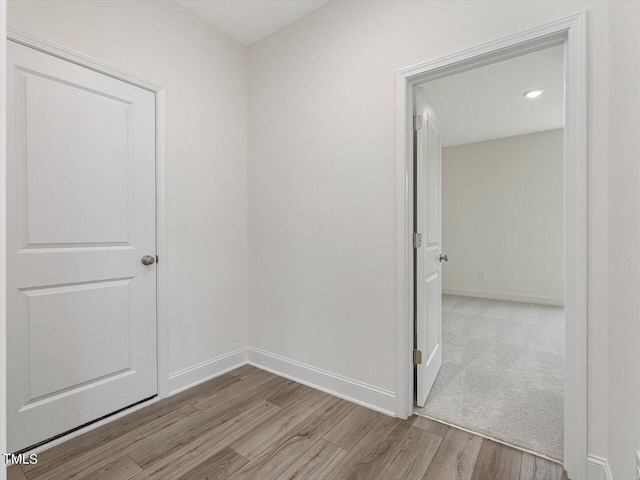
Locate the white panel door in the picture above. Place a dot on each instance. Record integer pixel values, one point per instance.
(81, 214)
(428, 255)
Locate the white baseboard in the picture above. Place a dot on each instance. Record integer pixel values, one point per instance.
(192, 376)
(352, 390)
(504, 296)
(598, 468)
(375, 398)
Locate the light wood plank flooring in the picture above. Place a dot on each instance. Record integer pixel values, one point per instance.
(251, 424)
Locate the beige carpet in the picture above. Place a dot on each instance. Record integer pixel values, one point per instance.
(503, 372)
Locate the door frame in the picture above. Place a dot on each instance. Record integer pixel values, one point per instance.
(162, 312)
(570, 32)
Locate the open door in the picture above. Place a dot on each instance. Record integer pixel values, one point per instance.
(427, 242)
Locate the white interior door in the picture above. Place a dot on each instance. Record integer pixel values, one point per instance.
(81, 214)
(428, 262)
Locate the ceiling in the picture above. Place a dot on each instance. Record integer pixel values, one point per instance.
(488, 102)
(251, 20)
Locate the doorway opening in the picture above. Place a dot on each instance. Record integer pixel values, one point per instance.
(567, 36)
(489, 203)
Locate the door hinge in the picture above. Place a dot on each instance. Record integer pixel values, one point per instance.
(417, 240)
(417, 122)
(417, 357)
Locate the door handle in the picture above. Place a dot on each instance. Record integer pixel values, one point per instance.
(148, 260)
(444, 258)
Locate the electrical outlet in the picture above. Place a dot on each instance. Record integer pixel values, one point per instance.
(638, 465)
(481, 275)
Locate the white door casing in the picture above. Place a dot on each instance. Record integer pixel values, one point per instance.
(572, 32)
(428, 225)
(80, 215)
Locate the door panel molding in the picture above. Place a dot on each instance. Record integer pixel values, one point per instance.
(161, 235)
(570, 32)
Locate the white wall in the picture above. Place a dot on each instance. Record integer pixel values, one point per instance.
(321, 179)
(205, 74)
(3, 236)
(502, 214)
(624, 240)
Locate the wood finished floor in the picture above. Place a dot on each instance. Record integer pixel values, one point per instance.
(251, 424)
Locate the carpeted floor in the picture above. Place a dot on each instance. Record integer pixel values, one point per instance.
(503, 372)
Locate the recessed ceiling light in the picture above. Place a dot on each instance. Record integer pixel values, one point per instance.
(533, 93)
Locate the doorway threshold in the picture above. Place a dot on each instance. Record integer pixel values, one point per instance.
(416, 411)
